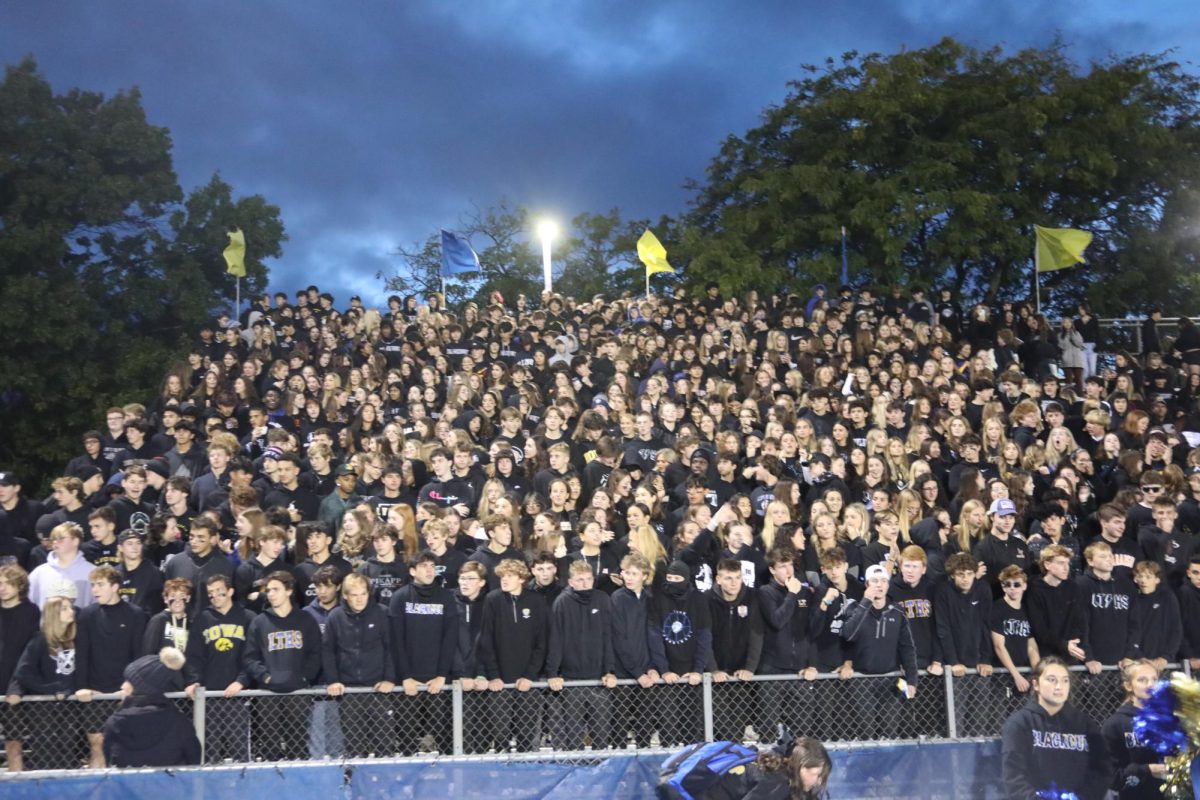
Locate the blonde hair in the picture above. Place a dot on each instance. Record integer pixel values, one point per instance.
(59, 635)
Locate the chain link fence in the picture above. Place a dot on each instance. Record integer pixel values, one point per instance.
(581, 723)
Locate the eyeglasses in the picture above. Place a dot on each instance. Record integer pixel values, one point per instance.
(1012, 584)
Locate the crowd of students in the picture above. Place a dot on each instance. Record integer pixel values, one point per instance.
(646, 488)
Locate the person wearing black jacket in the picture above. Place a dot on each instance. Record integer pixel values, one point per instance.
(1155, 626)
(501, 545)
(424, 619)
(250, 577)
(1138, 769)
(313, 543)
(631, 646)
(880, 641)
(215, 663)
(786, 605)
(467, 670)
(580, 647)
(1165, 544)
(680, 642)
(283, 654)
(1055, 607)
(147, 730)
(356, 650)
(109, 637)
(963, 606)
(512, 650)
(1003, 546)
(19, 621)
(737, 621)
(1049, 743)
(171, 626)
(1189, 610)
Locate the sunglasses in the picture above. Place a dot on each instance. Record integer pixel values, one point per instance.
(1152, 488)
(1012, 584)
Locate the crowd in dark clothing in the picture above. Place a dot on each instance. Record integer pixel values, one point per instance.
(645, 489)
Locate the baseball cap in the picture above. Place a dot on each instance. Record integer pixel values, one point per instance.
(9, 479)
(1157, 433)
(128, 534)
(877, 571)
(66, 589)
(344, 469)
(1003, 507)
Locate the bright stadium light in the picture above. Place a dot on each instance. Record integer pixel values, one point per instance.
(547, 230)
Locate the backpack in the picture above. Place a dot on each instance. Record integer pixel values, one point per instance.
(709, 771)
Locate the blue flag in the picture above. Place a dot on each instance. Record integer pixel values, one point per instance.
(845, 263)
(457, 255)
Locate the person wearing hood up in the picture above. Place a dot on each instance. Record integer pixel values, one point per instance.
(680, 624)
(1049, 745)
(147, 730)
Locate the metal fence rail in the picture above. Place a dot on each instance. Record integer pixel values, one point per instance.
(578, 724)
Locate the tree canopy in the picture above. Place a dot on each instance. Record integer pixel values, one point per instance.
(940, 161)
(106, 268)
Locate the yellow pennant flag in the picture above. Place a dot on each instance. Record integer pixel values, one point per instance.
(1060, 247)
(235, 253)
(653, 254)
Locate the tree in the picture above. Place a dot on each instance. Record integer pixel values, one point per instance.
(106, 269)
(940, 161)
(601, 257)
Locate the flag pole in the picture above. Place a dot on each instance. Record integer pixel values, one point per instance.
(647, 283)
(237, 302)
(1037, 276)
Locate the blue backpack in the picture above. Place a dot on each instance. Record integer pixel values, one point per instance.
(709, 771)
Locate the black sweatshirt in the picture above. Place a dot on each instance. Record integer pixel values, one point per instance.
(1155, 629)
(631, 647)
(198, 570)
(1012, 624)
(385, 577)
(917, 604)
(680, 632)
(1189, 610)
(107, 639)
(1056, 616)
(1066, 749)
(1106, 605)
(1129, 759)
(962, 623)
(18, 626)
(287, 650)
(580, 641)
(825, 627)
(143, 586)
(786, 617)
(512, 637)
(40, 672)
(424, 632)
(737, 627)
(356, 648)
(997, 555)
(216, 648)
(880, 640)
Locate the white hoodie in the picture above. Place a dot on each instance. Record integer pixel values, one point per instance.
(45, 580)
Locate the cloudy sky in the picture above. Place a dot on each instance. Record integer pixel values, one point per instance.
(373, 123)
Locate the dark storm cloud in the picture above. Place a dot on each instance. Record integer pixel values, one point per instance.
(375, 123)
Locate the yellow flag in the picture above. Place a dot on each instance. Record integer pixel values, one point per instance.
(1060, 247)
(653, 254)
(235, 253)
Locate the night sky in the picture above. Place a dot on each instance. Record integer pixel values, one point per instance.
(372, 124)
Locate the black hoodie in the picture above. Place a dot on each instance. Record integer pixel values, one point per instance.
(962, 623)
(737, 630)
(512, 638)
(470, 621)
(580, 644)
(216, 645)
(1189, 609)
(1106, 607)
(1066, 749)
(1056, 615)
(681, 630)
(284, 653)
(1130, 758)
(107, 639)
(424, 632)
(917, 604)
(1155, 629)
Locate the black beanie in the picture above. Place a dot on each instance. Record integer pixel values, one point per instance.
(156, 674)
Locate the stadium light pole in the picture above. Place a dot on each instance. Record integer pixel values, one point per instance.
(547, 230)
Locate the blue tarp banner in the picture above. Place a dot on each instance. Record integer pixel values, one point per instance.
(946, 771)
